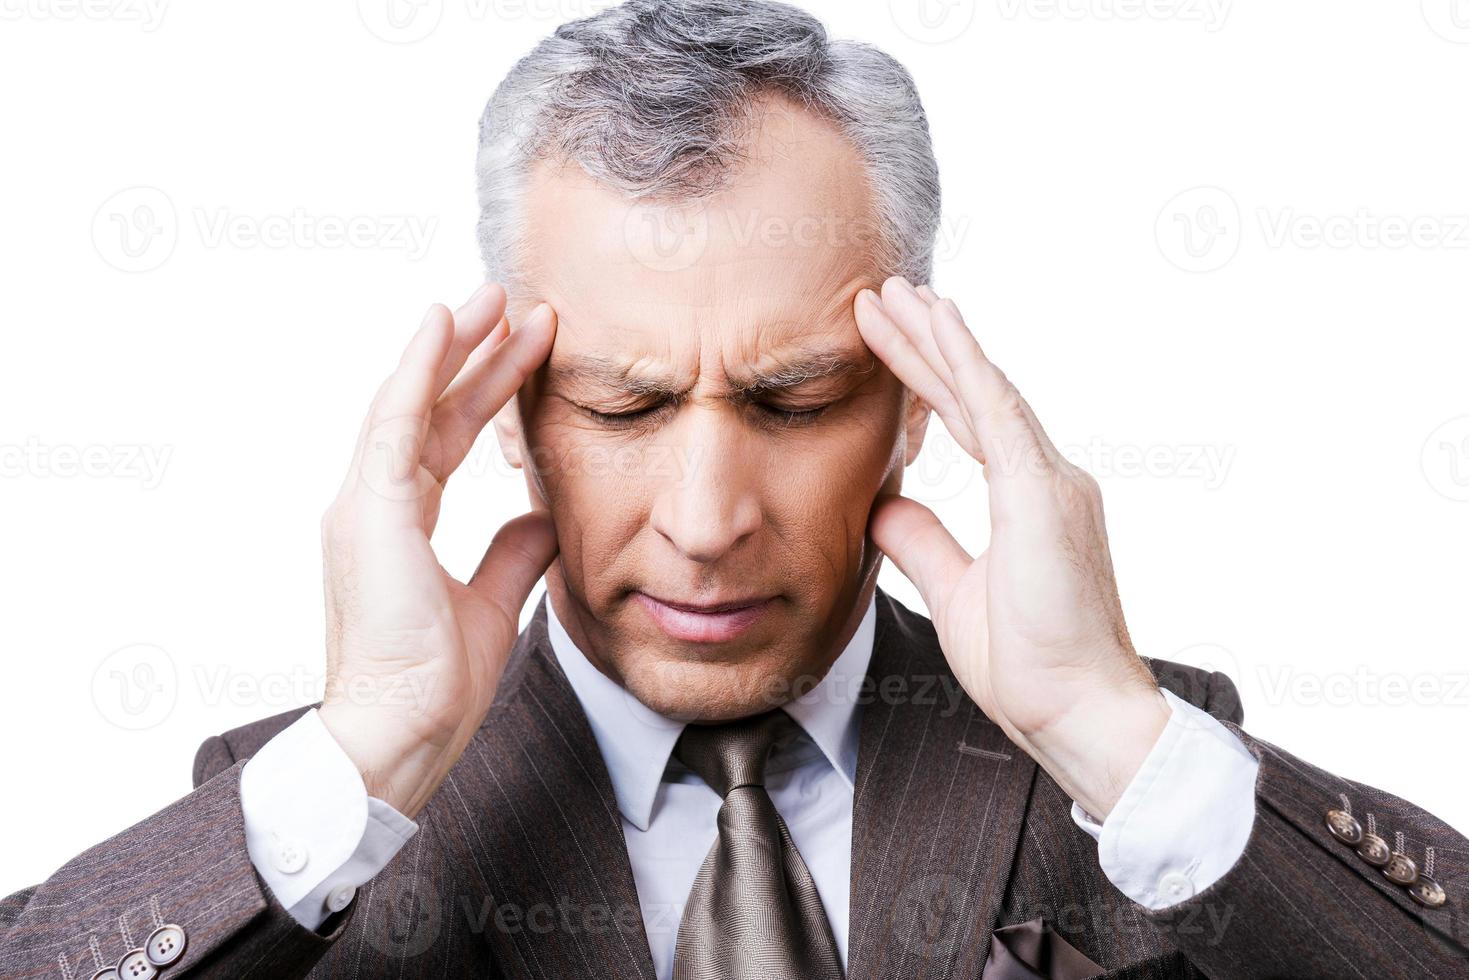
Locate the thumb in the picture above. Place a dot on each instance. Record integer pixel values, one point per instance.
(919, 544)
(518, 555)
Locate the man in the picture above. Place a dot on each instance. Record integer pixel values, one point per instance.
(718, 750)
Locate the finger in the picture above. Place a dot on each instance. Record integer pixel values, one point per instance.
(517, 557)
(927, 293)
(485, 385)
(351, 478)
(487, 346)
(386, 464)
(883, 337)
(987, 393)
(473, 322)
(919, 544)
(912, 312)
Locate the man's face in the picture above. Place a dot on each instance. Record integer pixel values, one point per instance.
(710, 426)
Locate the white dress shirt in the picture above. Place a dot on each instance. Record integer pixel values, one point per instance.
(314, 834)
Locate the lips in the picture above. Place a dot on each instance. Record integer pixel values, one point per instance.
(711, 622)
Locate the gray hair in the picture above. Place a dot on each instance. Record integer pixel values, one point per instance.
(648, 96)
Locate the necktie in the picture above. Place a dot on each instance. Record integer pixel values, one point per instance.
(753, 912)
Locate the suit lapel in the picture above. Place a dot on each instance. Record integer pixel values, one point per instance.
(940, 799)
(532, 807)
(531, 831)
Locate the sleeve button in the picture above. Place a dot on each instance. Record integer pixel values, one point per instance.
(135, 966)
(1344, 827)
(1374, 851)
(165, 945)
(1400, 869)
(1427, 892)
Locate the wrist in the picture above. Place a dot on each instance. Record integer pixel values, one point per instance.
(396, 766)
(1094, 750)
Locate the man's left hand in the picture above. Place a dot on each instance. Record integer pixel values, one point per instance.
(1032, 628)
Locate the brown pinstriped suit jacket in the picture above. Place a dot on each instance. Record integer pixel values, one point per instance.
(520, 870)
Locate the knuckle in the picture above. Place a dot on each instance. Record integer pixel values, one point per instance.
(1009, 403)
(1078, 492)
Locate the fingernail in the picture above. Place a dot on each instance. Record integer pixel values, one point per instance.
(479, 293)
(870, 296)
(539, 317)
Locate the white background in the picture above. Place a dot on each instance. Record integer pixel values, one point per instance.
(1267, 378)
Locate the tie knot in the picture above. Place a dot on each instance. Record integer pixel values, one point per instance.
(732, 754)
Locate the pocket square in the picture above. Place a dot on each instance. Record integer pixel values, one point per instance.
(1035, 951)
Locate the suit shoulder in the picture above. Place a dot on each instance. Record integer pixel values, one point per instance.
(219, 752)
(1211, 690)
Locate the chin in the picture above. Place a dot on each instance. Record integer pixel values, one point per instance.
(704, 691)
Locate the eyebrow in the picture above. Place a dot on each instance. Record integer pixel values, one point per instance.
(797, 368)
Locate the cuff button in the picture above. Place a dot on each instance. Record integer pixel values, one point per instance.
(289, 857)
(340, 898)
(1374, 851)
(1344, 827)
(1425, 891)
(1175, 886)
(106, 973)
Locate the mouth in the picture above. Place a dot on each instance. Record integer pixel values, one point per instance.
(714, 622)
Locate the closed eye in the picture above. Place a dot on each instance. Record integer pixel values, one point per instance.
(771, 415)
(624, 420)
(792, 416)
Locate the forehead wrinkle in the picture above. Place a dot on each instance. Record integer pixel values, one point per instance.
(614, 373)
(801, 364)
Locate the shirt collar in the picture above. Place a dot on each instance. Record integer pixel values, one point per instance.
(636, 741)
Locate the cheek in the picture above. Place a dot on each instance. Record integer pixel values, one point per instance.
(595, 489)
(825, 489)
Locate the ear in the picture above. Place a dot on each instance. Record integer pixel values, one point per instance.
(507, 432)
(916, 413)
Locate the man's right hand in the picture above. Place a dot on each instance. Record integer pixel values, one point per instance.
(413, 655)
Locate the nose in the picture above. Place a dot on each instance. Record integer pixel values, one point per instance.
(710, 500)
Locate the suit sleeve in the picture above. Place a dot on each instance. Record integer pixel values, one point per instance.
(1302, 901)
(187, 865)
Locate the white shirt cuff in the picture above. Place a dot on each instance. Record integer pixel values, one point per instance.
(313, 833)
(1185, 818)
